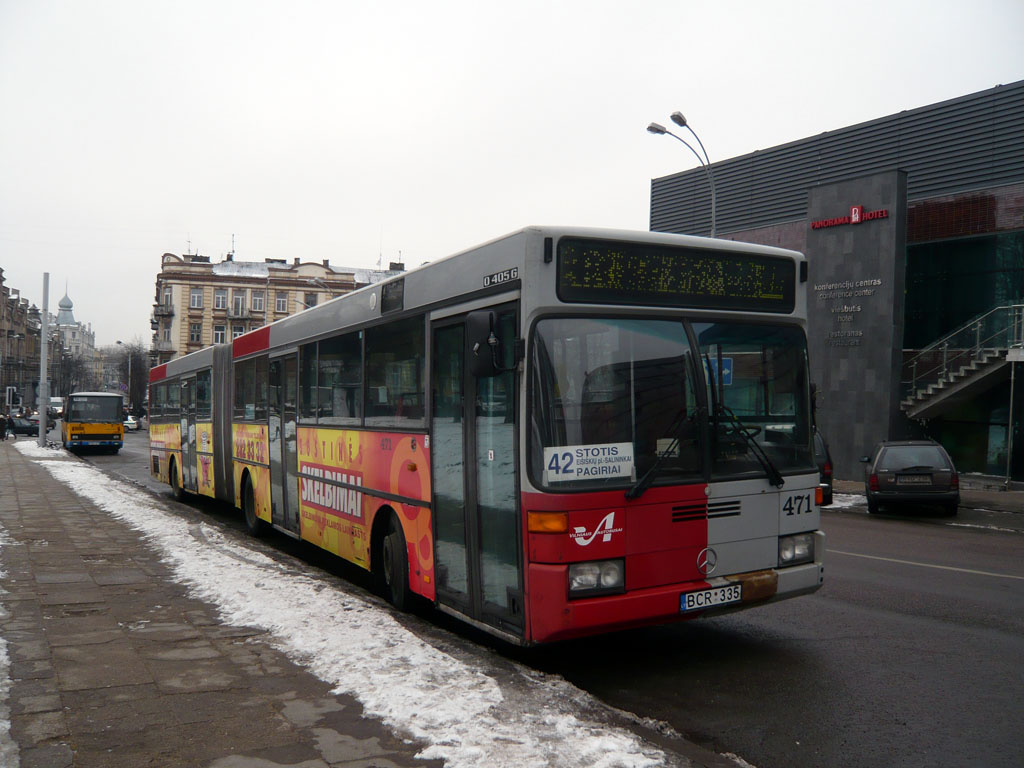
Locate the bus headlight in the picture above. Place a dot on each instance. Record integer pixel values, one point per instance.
(597, 577)
(796, 549)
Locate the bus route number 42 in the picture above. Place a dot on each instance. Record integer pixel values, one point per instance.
(796, 505)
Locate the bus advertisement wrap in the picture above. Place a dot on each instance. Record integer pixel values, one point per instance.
(339, 471)
(250, 453)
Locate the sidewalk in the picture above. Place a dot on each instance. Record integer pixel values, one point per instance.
(112, 664)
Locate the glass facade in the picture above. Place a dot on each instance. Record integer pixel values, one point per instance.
(950, 283)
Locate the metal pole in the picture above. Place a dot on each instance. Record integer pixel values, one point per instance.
(1009, 426)
(44, 344)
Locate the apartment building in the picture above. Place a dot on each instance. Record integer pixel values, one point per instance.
(199, 303)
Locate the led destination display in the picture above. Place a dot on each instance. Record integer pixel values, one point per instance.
(639, 273)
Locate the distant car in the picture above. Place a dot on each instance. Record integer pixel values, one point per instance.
(823, 458)
(918, 472)
(23, 426)
(131, 424)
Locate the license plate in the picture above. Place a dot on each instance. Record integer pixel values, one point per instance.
(710, 598)
(913, 479)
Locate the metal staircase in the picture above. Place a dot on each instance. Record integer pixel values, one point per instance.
(969, 360)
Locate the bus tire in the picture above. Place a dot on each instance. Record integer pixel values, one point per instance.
(253, 524)
(176, 490)
(394, 566)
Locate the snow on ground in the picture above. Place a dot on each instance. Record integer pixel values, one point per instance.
(358, 647)
(843, 500)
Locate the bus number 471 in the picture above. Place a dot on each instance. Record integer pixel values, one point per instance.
(796, 505)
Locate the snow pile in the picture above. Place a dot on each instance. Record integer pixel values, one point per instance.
(357, 646)
(844, 500)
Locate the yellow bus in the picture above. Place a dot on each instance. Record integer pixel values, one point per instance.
(93, 420)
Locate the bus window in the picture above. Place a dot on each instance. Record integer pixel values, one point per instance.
(204, 395)
(307, 381)
(394, 374)
(340, 366)
(173, 401)
(251, 390)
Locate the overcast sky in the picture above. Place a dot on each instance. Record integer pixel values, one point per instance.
(354, 131)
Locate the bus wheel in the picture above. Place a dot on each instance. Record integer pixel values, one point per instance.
(253, 524)
(176, 489)
(395, 566)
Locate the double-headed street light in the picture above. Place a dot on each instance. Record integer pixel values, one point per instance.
(680, 120)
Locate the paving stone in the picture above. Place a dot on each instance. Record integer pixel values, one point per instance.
(114, 665)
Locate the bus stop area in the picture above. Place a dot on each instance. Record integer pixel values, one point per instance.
(111, 663)
(105, 660)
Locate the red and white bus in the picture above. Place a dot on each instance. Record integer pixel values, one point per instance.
(560, 432)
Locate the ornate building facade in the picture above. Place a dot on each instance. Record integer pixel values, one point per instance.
(199, 303)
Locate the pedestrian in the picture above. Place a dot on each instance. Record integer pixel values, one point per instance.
(3, 427)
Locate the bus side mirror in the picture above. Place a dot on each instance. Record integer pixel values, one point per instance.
(484, 345)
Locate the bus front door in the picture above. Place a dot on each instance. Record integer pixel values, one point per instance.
(478, 549)
(283, 448)
(188, 434)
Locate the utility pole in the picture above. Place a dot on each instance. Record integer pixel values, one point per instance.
(44, 339)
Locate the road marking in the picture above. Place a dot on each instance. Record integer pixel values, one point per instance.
(926, 565)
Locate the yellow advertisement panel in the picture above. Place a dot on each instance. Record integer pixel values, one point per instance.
(250, 451)
(342, 474)
(164, 442)
(204, 459)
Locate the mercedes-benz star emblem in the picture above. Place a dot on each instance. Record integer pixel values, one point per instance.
(706, 561)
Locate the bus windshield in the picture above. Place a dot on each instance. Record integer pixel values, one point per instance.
(757, 390)
(94, 408)
(613, 397)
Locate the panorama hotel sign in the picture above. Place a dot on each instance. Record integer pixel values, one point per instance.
(857, 215)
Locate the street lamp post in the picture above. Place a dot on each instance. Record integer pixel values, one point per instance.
(680, 120)
(129, 373)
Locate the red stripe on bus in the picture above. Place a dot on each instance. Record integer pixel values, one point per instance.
(158, 373)
(253, 341)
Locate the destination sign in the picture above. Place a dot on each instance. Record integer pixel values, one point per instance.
(613, 272)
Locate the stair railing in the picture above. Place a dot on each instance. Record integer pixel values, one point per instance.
(993, 332)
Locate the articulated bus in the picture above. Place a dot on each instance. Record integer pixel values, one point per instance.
(561, 432)
(93, 420)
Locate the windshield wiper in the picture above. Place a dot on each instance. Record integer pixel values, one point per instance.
(747, 433)
(644, 482)
(718, 407)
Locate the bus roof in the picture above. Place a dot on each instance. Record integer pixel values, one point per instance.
(436, 281)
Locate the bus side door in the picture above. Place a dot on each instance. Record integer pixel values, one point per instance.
(474, 456)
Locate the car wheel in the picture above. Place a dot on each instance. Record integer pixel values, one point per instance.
(253, 524)
(872, 507)
(395, 566)
(952, 508)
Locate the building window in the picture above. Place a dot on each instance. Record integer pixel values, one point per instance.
(168, 297)
(167, 333)
(195, 333)
(310, 300)
(238, 301)
(236, 331)
(219, 334)
(195, 300)
(257, 301)
(220, 298)
(281, 304)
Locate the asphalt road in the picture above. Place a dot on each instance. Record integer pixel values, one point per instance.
(910, 654)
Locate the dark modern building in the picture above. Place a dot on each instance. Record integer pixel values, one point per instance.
(913, 225)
